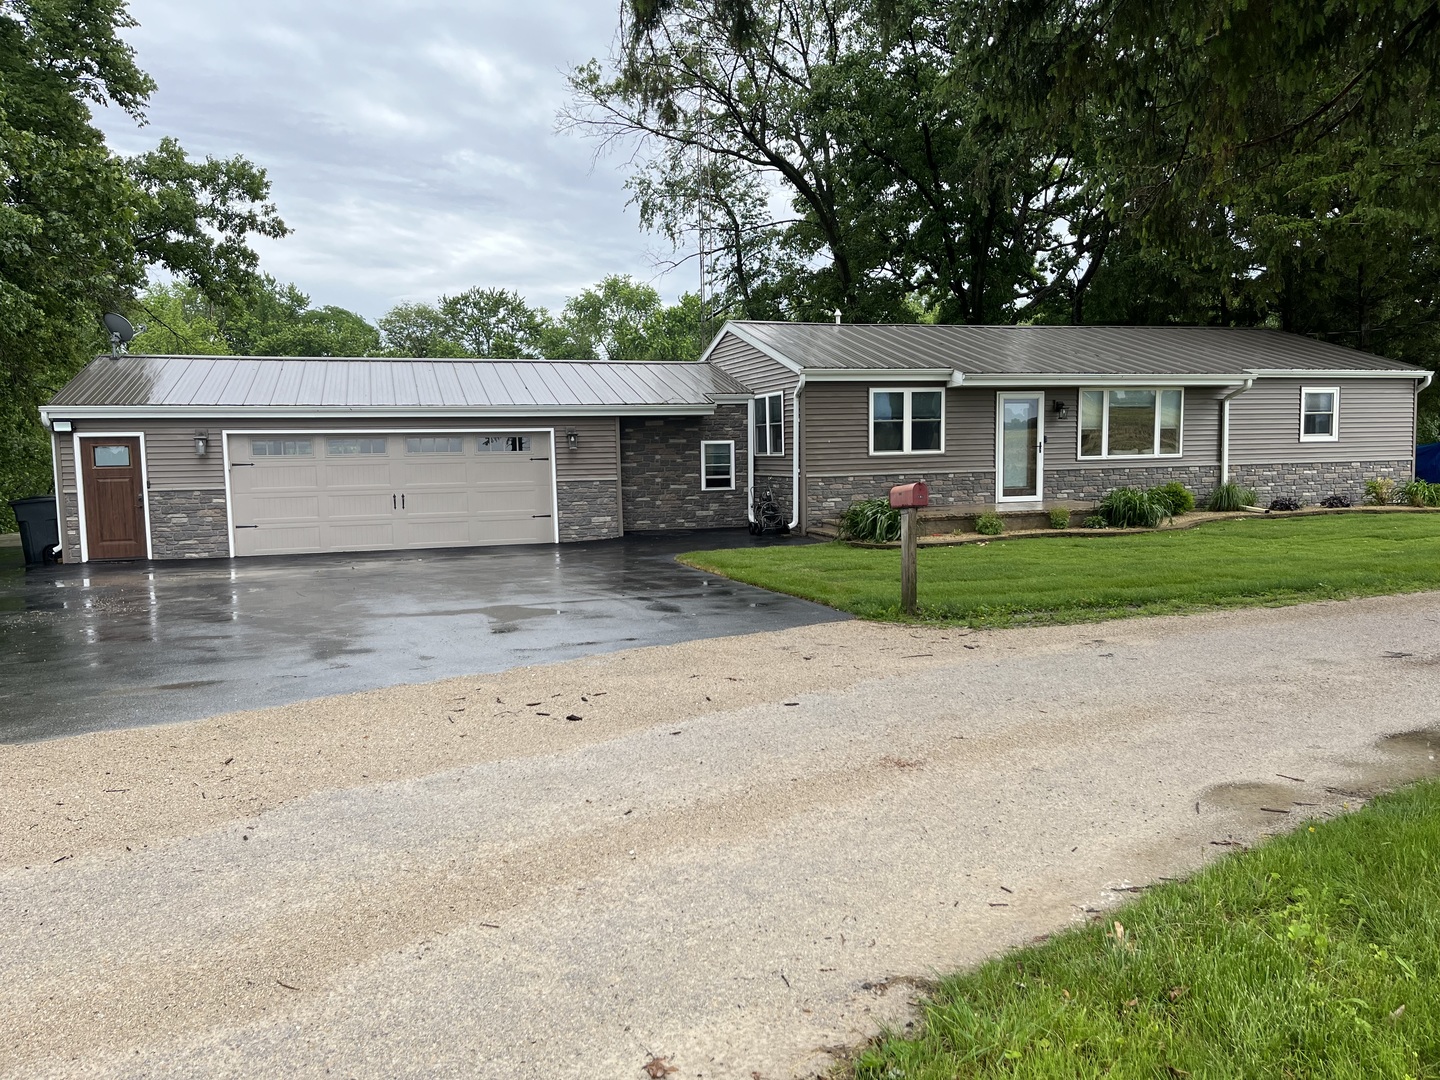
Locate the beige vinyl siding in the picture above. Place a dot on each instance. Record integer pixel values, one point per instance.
(837, 433)
(1199, 439)
(174, 466)
(1376, 422)
(761, 375)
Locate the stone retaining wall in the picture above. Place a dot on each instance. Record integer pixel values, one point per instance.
(588, 509)
(189, 525)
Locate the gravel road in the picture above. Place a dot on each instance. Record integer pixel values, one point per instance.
(733, 858)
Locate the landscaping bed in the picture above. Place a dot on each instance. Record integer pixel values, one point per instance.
(1249, 560)
(1314, 955)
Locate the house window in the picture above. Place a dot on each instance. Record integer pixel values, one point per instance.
(281, 447)
(346, 447)
(907, 421)
(770, 424)
(1319, 413)
(442, 444)
(112, 457)
(1131, 423)
(717, 466)
(503, 444)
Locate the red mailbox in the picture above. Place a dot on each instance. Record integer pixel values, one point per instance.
(908, 496)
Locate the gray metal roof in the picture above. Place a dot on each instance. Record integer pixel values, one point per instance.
(1059, 350)
(178, 383)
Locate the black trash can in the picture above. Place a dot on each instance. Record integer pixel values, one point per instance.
(39, 528)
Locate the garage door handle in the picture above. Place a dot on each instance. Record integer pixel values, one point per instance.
(402, 502)
(541, 515)
(242, 464)
(247, 526)
(539, 459)
(393, 504)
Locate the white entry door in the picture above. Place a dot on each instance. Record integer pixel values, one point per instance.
(1020, 447)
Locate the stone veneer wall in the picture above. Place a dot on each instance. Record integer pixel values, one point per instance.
(189, 525)
(588, 509)
(1093, 483)
(70, 535)
(1312, 481)
(827, 497)
(660, 471)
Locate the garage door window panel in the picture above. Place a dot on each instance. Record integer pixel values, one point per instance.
(439, 444)
(503, 444)
(282, 447)
(355, 447)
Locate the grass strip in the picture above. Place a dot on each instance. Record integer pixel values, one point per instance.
(1316, 955)
(1249, 562)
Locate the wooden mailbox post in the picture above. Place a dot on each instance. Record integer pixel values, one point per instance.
(908, 499)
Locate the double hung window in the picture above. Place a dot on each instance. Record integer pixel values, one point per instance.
(717, 466)
(907, 421)
(1319, 413)
(770, 425)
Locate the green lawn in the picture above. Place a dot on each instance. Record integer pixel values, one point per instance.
(1010, 582)
(1315, 955)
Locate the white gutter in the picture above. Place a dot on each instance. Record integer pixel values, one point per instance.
(1425, 383)
(795, 450)
(750, 445)
(1225, 428)
(956, 378)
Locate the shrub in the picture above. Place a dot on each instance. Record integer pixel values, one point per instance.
(1335, 502)
(1228, 497)
(1128, 508)
(1284, 502)
(1178, 499)
(1420, 493)
(990, 524)
(872, 521)
(1060, 518)
(1379, 491)
(1096, 521)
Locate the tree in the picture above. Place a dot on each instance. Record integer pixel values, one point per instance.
(622, 319)
(495, 323)
(419, 330)
(79, 225)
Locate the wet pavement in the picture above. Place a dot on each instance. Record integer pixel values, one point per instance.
(102, 646)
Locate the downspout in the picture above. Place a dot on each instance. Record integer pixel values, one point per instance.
(795, 450)
(1225, 427)
(750, 445)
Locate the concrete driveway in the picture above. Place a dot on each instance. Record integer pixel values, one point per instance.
(85, 648)
(733, 855)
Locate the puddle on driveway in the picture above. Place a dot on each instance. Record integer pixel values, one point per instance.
(1400, 759)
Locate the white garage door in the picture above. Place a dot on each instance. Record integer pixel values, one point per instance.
(292, 493)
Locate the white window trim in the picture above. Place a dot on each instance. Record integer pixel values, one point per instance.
(908, 391)
(769, 450)
(1334, 435)
(1105, 454)
(728, 443)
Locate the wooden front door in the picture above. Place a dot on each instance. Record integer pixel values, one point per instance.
(114, 498)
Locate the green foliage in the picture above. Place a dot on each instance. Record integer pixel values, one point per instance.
(872, 521)
(1175, 497)
(1421, 493)
(1229, 497)
(1096, 521)
(80, 225)
(1060, 518)
(1314, 955)
(1133, 508)
(1254, 560)
(989, 524)
(1379, 491)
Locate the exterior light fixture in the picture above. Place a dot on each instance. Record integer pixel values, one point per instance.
(61, 427)
(572, 438)
(1062, 410)
(202, 443)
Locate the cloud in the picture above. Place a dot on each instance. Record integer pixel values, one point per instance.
(411, 146)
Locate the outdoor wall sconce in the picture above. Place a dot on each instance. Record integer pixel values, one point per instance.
(1062, 410)
(202, 443)
(572, 438)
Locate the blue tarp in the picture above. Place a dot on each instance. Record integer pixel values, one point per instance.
(1427, 462)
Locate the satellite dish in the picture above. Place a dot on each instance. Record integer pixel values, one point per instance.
(121, 332)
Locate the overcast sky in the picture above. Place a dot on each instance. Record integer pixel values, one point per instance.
(411, 145)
